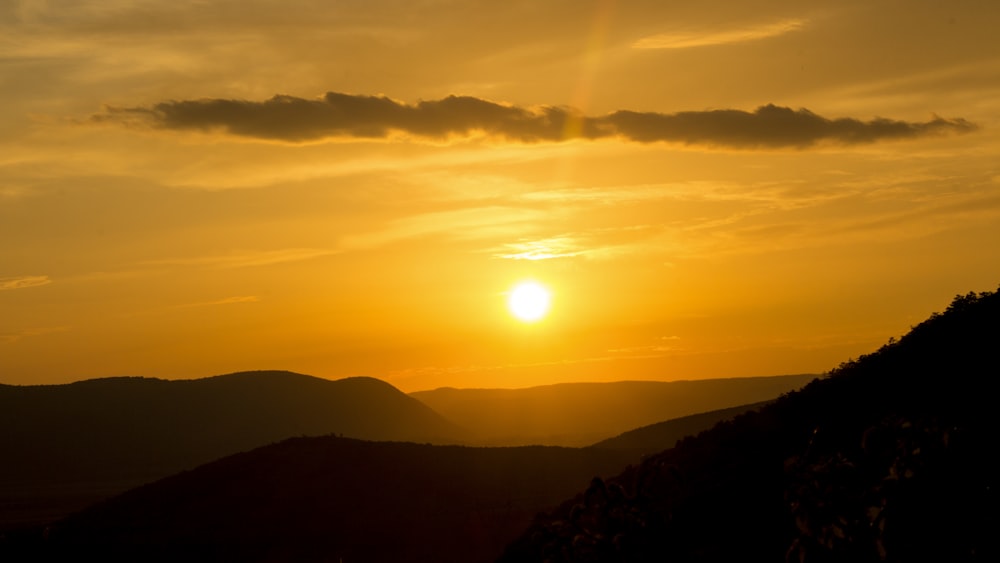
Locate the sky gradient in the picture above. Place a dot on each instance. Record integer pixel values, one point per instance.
(710, 189)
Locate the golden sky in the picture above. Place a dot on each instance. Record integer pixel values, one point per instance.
(708, 189)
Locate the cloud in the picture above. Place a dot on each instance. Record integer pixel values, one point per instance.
(468, 224)
(31, 332)
(292, 119)
(225, 301)
(288, 118)
(592, 244)
(703, 38)
(247, 259)
(772, 126)
(546, 249)
(23, 282)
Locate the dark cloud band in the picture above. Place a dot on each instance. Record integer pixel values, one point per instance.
(287, 118)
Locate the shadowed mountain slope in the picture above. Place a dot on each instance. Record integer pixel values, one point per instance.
(662, 435)
(328, 499)
(578, 414)
(67, 445)
(889, 458)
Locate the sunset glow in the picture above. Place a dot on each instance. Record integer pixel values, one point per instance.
(711, 189)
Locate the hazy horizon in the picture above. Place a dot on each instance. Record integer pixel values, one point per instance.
(525, 387)
(720, 189)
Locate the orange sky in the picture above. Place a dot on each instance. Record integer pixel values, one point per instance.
(709, 189)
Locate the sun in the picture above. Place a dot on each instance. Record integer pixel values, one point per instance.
(529, 301)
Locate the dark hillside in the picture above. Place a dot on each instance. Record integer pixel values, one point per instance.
(662, 435)
(65, 446)
(328, 499)
(889, 458)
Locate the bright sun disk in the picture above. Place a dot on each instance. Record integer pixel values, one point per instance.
(529, 301)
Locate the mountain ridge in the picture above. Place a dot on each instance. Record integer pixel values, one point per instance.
(580, 414)
(96, 436)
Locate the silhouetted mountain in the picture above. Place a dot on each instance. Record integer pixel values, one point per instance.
(889, 458)
(65, 446)
(662, 435)
(577, 414)
(328, 499)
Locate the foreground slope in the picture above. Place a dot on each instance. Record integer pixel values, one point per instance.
(889, 458)
(577, 414)
(662, 435)
(328, 499)
(65, 446)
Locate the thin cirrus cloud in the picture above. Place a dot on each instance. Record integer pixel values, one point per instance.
(546, 249)
(22, 282)
(12, 337)
(292, 119)
(705, 38)
(246, 259)
(226, 301)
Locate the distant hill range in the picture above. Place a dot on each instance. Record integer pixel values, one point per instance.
(578, 414)
(64, 446)
(70, 445)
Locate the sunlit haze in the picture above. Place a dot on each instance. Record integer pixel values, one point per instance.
(707, 189)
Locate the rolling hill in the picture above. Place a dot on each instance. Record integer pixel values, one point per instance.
(65, 446)
(328, 499)
(578, 414)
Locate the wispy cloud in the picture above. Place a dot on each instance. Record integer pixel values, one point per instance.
(11, 193)
(226, 301)
(22, 282)
(664, 345)
(706, 37)
(29, 332)
(468, 224)
(592, 244)
(292, 119)
(246, 259)
(545, 249)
